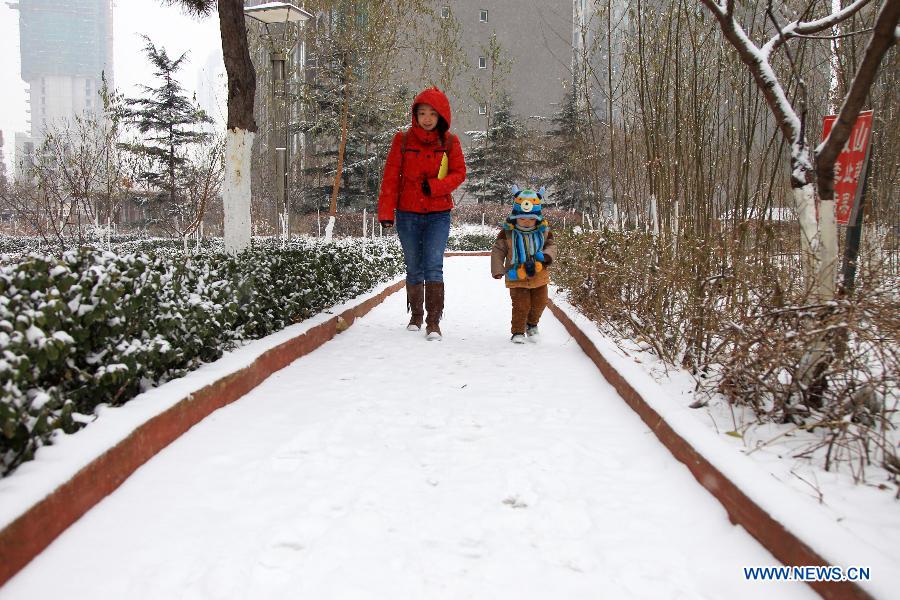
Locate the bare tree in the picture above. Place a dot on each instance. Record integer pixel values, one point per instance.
(818, 238)
(444, 57)
(74, 182)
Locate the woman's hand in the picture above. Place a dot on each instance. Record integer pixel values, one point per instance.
(386, 224)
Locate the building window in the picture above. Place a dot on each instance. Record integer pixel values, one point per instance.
(482, 62)
(483, 15)
(482, 110)
(445, 12)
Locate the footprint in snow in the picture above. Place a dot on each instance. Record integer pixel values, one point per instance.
(515, 502)
(279, 562)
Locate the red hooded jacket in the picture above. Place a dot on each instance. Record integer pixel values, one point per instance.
(401, 185)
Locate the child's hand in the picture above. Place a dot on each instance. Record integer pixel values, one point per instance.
(498, 276)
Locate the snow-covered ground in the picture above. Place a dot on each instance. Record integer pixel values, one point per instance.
(385, 466)
(845, 523)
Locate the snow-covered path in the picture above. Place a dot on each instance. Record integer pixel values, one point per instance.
(382, 466)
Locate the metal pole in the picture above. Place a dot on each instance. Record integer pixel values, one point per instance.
(279, 106)
(854, 231)
(280, 187)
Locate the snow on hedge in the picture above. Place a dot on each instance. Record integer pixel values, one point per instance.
(91, 327)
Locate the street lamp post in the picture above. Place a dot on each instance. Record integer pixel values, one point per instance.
(281, 31)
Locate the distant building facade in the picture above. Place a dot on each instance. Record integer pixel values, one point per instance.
(65, 47)
(535, 38)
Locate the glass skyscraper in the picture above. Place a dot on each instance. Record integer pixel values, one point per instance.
(65, 47)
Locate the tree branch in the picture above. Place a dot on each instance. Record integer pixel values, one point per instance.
(796, 28)
(835, 37)
(883, 38)
(759, 67)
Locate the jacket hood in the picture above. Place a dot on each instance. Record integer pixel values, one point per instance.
(436, 99)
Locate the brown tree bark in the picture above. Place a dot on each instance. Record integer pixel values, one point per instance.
(238, 66)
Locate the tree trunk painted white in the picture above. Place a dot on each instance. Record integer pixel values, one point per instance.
(804, 204)
(329, 228)
(828, 252)
(365, 224)
(236, 189)
(654, 217)
(675, 227)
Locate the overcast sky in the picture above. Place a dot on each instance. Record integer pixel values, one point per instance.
(166, 26)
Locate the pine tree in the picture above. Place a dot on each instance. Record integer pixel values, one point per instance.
(170, 123)
(566, 166)
(495, 161)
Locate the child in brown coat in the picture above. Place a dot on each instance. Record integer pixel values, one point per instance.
(523, 250)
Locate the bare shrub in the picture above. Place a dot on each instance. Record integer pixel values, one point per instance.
(733, 312)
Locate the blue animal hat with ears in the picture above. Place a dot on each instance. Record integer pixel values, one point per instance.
(526, 203)
(527, 244)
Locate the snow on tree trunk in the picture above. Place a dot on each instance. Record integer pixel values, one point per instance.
(329, 228)
(236, 191)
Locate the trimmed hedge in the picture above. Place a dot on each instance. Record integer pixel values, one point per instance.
(471, 242)
(92, 327)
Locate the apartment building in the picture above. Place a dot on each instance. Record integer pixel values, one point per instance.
(535, 43)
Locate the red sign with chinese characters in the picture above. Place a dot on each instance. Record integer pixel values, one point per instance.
(850, 166)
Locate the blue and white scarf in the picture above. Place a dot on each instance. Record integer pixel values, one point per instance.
(527, 249)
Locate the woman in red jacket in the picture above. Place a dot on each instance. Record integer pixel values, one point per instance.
(425, 164)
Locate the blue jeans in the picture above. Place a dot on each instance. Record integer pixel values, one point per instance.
(424, 239)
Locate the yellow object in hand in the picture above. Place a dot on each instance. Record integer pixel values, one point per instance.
(442, 172)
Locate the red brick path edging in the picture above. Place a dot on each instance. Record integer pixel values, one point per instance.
(27, 536)
(743, 511)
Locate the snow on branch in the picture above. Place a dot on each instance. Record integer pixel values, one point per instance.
(798, 28)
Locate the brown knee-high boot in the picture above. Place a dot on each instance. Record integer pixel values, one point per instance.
(415, 301)
(434, 305)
